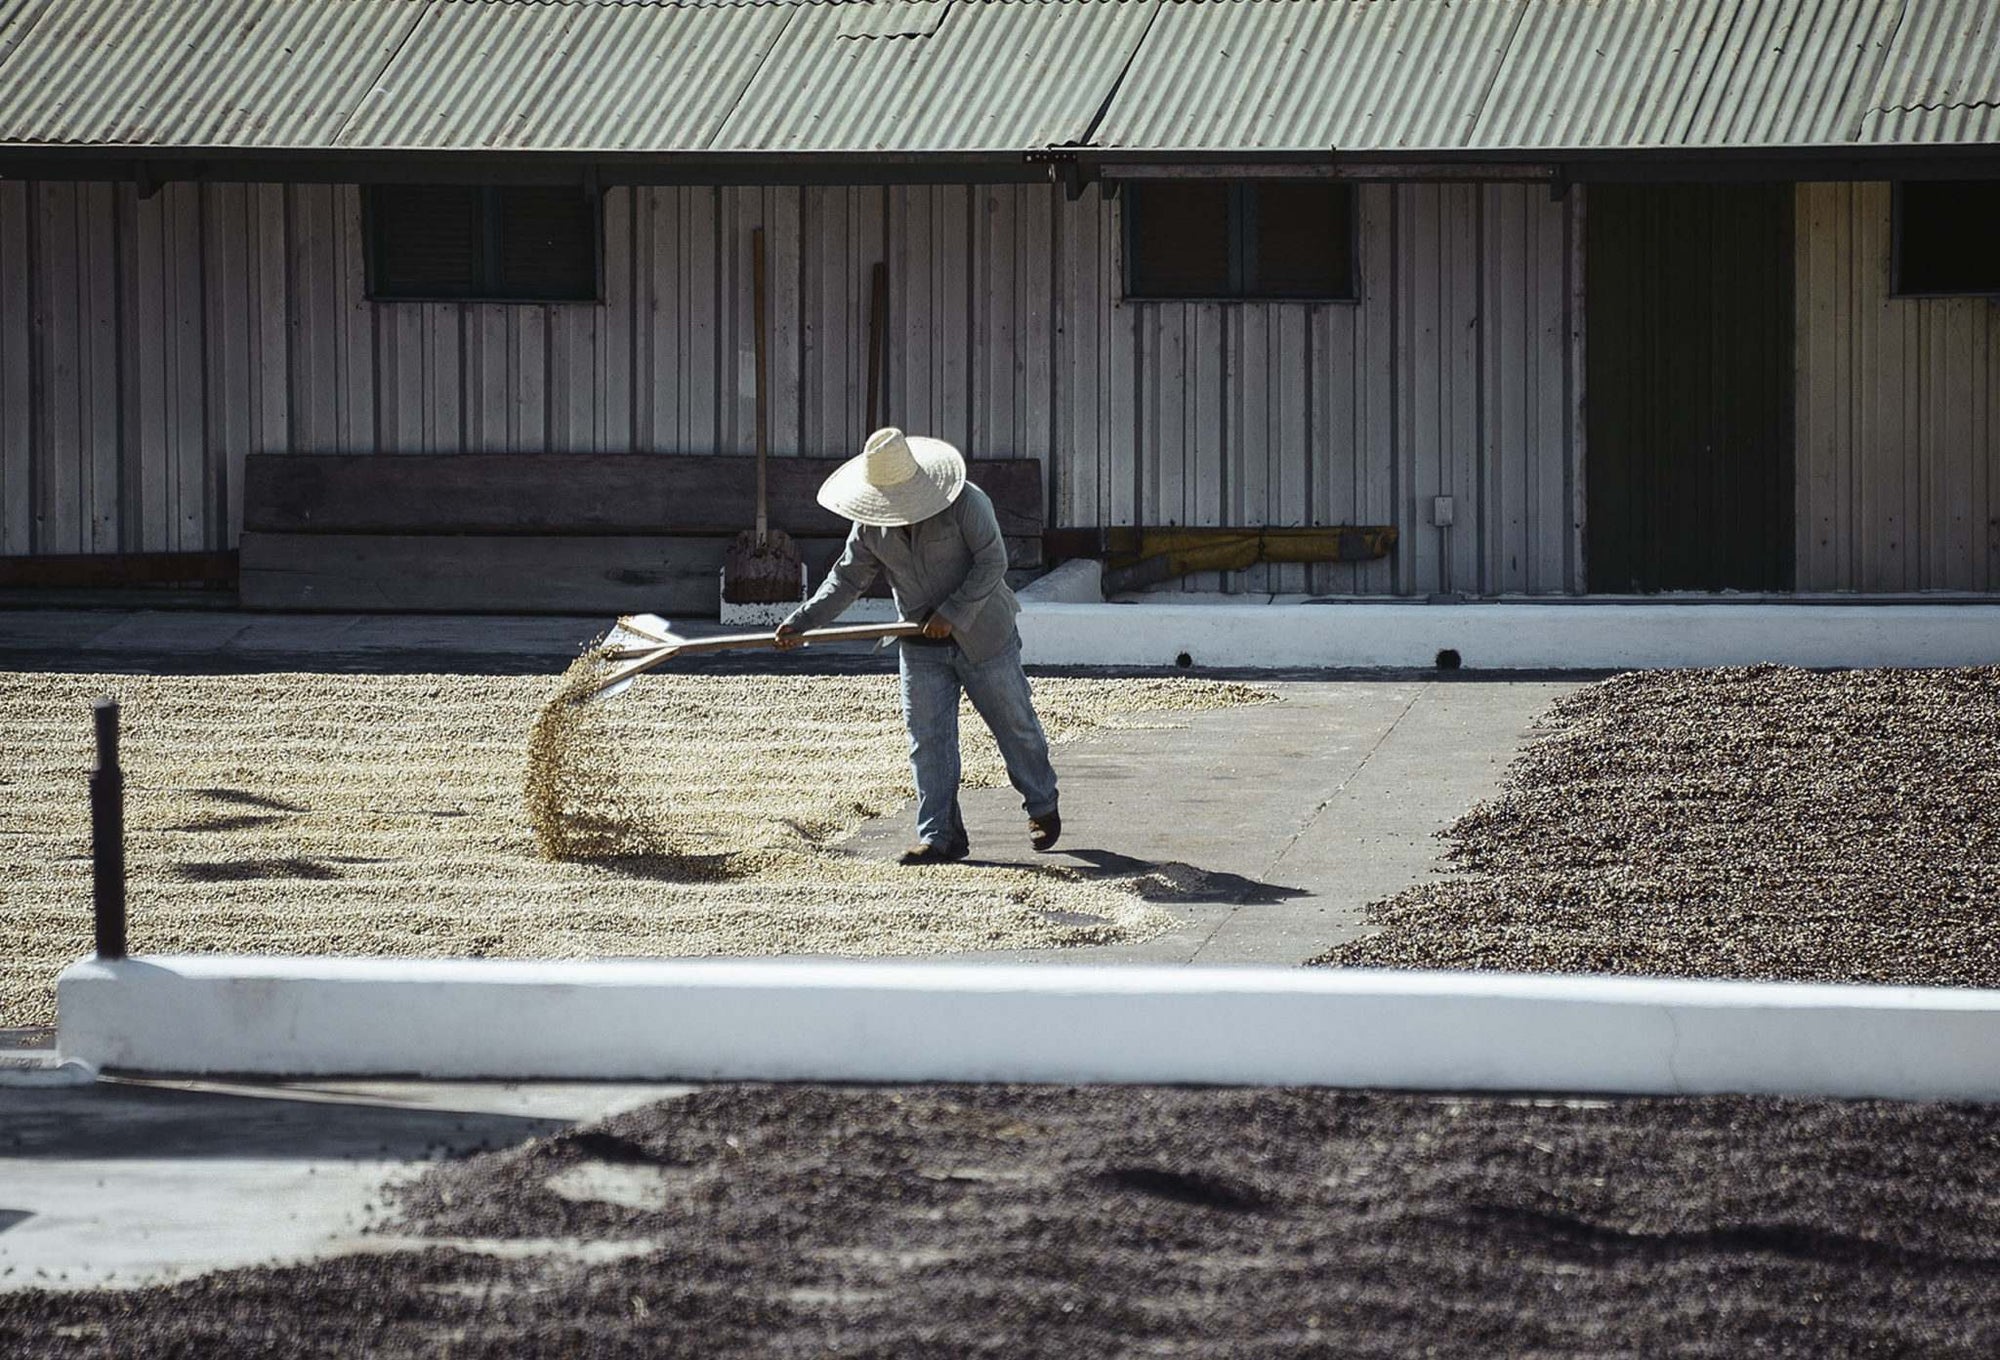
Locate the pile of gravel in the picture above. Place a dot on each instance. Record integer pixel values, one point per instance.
(383, 815)
(1042, 1221)
(1747, 823)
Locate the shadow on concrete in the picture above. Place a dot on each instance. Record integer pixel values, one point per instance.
(125, 1119)
(1160, 880)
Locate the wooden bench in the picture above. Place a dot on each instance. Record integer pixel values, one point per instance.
(543, 532)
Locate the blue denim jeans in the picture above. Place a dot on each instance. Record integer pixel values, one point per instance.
(933, 676)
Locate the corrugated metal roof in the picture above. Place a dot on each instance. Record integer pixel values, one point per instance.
(197, 72)
(615, 76)
(1584, 73)
(1942, 80)
(992, 75)
(1305, 74)
(950, 76)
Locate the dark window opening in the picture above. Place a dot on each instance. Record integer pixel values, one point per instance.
(1217, 239)
(1948, 237)
(448, 242)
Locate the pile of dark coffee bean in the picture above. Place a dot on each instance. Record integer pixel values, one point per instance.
(1743, 823)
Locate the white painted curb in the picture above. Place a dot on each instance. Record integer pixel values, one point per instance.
(852, 1021)
(1550, 636)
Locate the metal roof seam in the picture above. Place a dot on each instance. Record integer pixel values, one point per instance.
(1493, 77)
(1104, 105)
(1860, 105)
(340, 133)
(42, 8)
(750, 81)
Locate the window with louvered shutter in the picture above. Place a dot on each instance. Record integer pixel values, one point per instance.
(513, 244)
(1220, 240)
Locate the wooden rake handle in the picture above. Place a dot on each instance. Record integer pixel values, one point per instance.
(637, 661)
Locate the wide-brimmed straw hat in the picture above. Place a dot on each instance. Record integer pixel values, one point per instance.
(896, 479)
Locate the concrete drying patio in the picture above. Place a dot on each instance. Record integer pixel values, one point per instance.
(1268, 827)
(1275, 824)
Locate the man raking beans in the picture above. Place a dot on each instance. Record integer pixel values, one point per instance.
(917, 519)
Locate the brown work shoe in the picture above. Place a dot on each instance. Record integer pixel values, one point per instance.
(936, 852)
(1044, 832)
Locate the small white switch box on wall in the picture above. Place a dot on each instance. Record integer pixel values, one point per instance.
(1441, 509)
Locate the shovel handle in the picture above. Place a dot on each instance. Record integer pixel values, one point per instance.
(637, 661)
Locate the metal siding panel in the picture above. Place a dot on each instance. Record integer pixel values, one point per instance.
(1504, 436)
(228, 320)
(782, 240)
(59, 453)
(1336, 451)
(1378, 464)
(1459, 455)
(97, 225)
(1547, 534)
(1820, 446)
(702, 399)
(142, 372)
(358, 321)
(274, 417)
(1897, 445)
(1082, 452)
(308, 280)
(187, 385)
(17, 370)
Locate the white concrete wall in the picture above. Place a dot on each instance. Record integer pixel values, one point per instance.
(841, 1021)
(1510, 637)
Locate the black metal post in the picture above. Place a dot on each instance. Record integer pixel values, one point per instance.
(107, 834)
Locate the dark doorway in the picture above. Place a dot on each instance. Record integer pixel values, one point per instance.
(1689, 469)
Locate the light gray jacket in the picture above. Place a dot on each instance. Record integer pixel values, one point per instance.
(953, 564)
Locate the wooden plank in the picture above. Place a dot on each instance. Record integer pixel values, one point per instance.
(572, 493)
(108, 571)
(479, 574)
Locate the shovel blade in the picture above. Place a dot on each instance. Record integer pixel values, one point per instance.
(637, 635)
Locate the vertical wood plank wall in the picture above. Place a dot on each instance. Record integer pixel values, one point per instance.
(147, 345)
(1898, 413)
